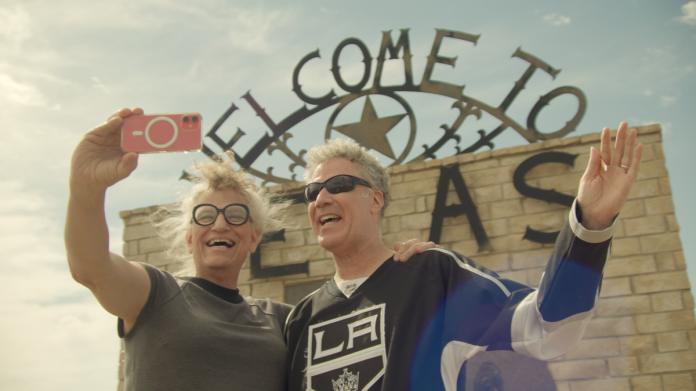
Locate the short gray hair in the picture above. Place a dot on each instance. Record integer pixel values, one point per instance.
(368, 165)
(174, 220)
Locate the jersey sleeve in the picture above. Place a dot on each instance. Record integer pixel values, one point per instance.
(552, 320)
(163, 287)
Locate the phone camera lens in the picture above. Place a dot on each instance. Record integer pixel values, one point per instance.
(194, 118)
(185, 119)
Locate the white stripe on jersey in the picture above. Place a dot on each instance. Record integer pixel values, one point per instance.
(473, 270)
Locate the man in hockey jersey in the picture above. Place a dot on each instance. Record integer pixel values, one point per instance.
(384, 325)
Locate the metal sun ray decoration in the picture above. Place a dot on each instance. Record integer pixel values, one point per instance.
(371, 130)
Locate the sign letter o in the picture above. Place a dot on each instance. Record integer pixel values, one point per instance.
(335, 68)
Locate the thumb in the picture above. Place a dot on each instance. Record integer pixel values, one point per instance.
(128, 163)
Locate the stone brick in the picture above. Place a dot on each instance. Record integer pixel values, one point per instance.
(159, 259)
(400, 207)
(480, 165)
(560, 386)
(495, 262)
(244, 290)
(646, 383)
(678, 382)
(511, 243)
(644, 189)
(415, 176)
(309, 236)
(665, 187)
(667, 321)
(679, 259)
(660, 282)
(660, 242)
(271, 257)
(567, 183)
(292, 239)
(645, 225)
(506, 209)
(617, 267)
(510, 193)
(140, 231)
(403, 236)
(590, 138)
(665, 262)
(623, 366)
(483, 155)
(416, 221)
(135, 219)
(672, 224)
(668, 362)
(672, 342)
(633, 208)
(532, 206)
(658, 205)
(456, 233)
(610, 327)
(413, 189)
(267, 289)
(602, 385)
(130, 248)
(667, 301)
(626, 305)
(594, 348)
(582, 369)
(421, 204)
(638, 344)
(488, 177)
(150, 245)
(615, 287)
(625, 247)
(393, 224)
(546, 222)
(465, 158)
(301, 254)
(495, 228)
(652, 169)
(529, 259)
(487, 194)
(449, 160)
(688, 300)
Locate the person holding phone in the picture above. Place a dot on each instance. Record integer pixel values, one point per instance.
(183, 333)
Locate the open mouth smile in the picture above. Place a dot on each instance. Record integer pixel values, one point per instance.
(329, 219)
(220, 243)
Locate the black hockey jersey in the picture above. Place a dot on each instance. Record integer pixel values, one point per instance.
(412, 325)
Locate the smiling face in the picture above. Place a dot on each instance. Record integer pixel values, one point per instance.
(220, 247)
(342, 222)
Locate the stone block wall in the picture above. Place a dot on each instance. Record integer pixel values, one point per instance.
(643, 335)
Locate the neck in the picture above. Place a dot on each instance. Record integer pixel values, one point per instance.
(360, 263)
(222, 277)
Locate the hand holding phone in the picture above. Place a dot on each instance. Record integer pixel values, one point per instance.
(179, 132)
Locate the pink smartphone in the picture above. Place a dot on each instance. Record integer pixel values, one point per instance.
(162, 133)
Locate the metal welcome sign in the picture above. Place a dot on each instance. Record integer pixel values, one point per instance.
(371, 131)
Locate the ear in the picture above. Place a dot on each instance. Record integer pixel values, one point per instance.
(377, 201)
(254, 240)
(189, 242)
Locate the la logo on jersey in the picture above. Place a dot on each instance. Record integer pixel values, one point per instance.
(347, 353)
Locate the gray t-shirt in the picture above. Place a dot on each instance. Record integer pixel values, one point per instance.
(187, 338)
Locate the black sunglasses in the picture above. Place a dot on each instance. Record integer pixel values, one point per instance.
(235, 214)
(335, 185)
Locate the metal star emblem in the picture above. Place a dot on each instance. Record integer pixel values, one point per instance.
(371, 131)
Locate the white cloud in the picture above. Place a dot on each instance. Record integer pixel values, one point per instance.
(667, 100)
(647, 92)
(15, 26)
(556, 19)
(689, 11)
(23, 94)
(97, 84)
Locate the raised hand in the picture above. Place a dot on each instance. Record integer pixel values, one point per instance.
(609, 177)
(98, 161)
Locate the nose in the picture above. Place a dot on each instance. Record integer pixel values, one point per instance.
(220, 223)
(324, 197)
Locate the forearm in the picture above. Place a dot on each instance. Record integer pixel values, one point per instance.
(86, 235)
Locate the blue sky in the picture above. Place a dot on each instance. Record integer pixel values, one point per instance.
(66, 65)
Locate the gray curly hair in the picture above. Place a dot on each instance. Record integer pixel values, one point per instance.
(368, 165)
(174, 220)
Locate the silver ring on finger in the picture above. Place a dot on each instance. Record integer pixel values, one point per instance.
(625, 166)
